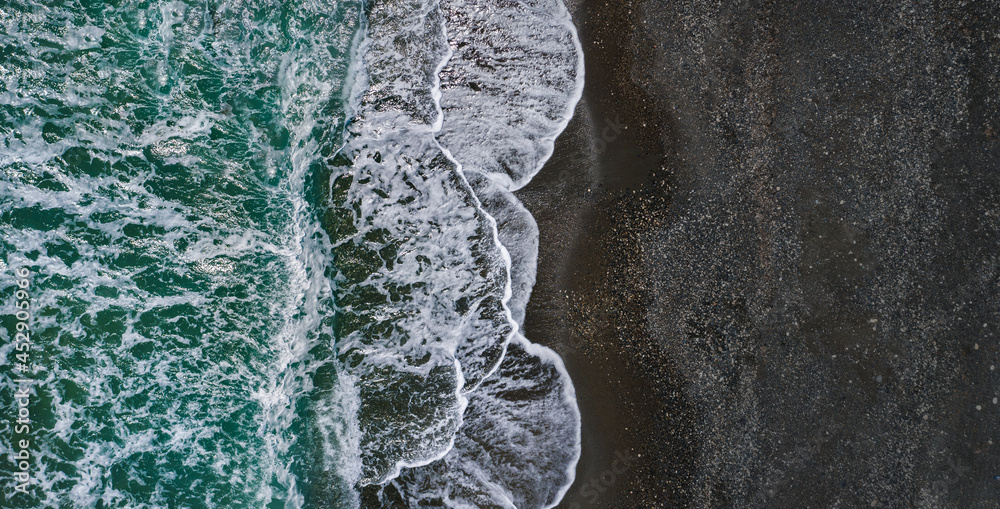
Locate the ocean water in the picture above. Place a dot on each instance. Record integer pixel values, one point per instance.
(271, 257)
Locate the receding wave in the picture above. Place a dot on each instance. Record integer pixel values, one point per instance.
(507, 89)
(511, 86)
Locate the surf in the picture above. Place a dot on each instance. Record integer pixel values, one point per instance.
(482, 141)
(277, 254)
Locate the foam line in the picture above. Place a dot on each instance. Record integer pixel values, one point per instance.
(464, 477)
(411, 230)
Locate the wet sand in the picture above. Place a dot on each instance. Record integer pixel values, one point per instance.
(591, 201)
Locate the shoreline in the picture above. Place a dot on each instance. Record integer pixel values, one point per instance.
(587, 303)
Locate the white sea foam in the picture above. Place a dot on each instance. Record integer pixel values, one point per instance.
(511, 86)
(519, 442)
(516, 446)
(175, 327)
(517, 232)
(408, 226)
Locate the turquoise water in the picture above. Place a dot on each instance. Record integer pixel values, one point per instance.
(269, 259)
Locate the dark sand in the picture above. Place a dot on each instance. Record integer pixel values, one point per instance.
(769, 254)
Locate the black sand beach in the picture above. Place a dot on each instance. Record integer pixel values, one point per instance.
(769, 254)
